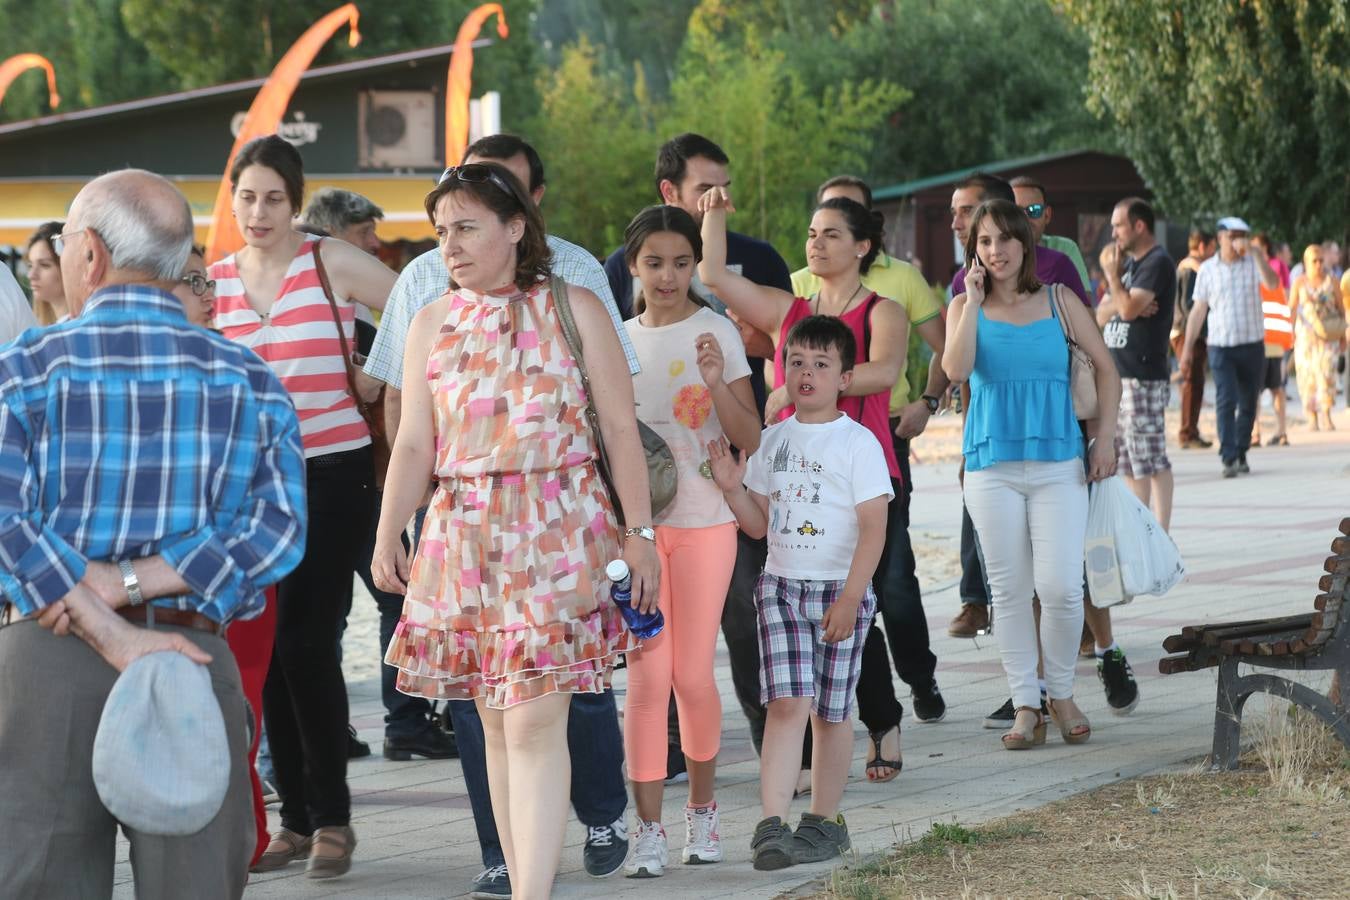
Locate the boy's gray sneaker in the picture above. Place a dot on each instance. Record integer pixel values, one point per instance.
(771, 847)
(491, 882)
(818, 839)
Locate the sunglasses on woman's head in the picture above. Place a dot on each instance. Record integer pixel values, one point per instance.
(1034, 210)
(476, 173)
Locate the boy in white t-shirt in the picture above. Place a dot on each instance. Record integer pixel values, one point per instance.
(818, 488)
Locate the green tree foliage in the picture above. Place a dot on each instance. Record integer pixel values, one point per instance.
(597, 149)
(990, 80)
(110, 50)
(783, 137)
(96, 59)
(1229, 106)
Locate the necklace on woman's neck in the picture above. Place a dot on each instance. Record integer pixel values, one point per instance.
(851, 297)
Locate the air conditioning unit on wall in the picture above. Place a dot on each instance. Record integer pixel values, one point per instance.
(397, 130)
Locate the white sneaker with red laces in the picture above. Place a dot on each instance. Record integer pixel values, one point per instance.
(702, 843)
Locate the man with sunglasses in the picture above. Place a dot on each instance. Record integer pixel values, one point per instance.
(599, 795)
(1030, 195)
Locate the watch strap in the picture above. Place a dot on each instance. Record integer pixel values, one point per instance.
(131, 582)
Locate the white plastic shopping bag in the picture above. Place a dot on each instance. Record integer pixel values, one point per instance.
(1127, 552)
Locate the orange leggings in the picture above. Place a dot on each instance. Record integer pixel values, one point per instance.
(696, 566)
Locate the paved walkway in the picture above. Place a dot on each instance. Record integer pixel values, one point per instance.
(1253, 547)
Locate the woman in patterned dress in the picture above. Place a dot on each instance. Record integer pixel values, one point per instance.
(506, 602)
(1315, 295)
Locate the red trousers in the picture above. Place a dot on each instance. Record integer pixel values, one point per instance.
(251, 643)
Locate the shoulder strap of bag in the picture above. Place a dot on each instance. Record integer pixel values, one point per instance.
(558, 288)
(1065, 324)
(571, 334)
(337, 320)
(865, 351)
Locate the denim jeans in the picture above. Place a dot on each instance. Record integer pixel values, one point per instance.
(599, 795)
(974, 586)
(1237, 386)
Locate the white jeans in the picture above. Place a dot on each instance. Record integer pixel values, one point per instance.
(1031, 518)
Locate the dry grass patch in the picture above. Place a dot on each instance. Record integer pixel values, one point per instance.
(1275, 828)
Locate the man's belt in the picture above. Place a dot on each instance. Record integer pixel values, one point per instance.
(150, 616)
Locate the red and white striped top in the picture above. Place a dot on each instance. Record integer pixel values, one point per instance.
(300, 342)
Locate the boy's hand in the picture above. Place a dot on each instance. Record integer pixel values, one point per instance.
(728, 471)
(840, 620)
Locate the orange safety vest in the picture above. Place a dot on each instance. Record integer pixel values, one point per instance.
(1279, 321)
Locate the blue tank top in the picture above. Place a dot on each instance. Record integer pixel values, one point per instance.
(1020, 405)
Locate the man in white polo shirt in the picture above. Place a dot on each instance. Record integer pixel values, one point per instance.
(1228, 292)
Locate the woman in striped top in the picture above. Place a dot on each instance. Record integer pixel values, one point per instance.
(271, 298)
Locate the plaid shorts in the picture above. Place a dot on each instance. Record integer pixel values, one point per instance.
(794, 660)
(1141, 428)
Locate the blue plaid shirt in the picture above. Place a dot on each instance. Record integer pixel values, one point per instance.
(126, 433)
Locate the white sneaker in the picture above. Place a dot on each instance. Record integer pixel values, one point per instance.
(650, 854)
(702, 843)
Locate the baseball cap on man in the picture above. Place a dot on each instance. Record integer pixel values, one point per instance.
(161, 759)
(1233, 223)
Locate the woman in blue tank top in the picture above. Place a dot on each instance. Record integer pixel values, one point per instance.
(1025, 484)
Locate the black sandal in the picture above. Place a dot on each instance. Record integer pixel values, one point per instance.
(876, 762)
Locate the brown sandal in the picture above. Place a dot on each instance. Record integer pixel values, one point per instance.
(285, 848)
(339, 837)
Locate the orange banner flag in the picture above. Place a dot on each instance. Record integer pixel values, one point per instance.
(460, 81)
(264, 116)
(19, 63)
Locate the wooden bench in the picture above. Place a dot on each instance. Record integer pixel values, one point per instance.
(1313, 641)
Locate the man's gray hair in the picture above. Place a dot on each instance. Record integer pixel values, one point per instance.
(335, 210)
(147, 228)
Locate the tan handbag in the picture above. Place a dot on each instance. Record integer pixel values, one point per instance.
(662, 476)
(1082, 373)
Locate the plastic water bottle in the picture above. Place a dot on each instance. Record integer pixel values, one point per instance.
(621, 590)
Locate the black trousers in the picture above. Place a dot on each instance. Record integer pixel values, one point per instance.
(405, 715)
(900, 608)
(305, 697)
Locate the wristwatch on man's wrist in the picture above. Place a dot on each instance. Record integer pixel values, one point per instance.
(130, 582)
(931, 402)
(646, 532)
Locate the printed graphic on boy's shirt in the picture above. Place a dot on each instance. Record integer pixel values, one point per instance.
(792, 529)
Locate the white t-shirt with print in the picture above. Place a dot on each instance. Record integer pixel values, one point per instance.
(815, 476)
(672, 399)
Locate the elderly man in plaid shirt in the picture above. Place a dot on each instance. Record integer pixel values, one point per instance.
(1228, 292)
(151, 485)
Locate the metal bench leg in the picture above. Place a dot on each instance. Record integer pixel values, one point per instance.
(1227, 718)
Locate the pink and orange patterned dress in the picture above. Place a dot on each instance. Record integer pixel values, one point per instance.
(507, 599)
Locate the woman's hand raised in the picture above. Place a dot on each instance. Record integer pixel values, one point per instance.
(716, 198)
(975, 282)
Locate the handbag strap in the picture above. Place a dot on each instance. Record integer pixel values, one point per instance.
(572, 335)
(337, 320)
(1065, 323)
(558, 288)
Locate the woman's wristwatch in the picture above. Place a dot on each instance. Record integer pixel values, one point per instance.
(931, 402)
(646, 532)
